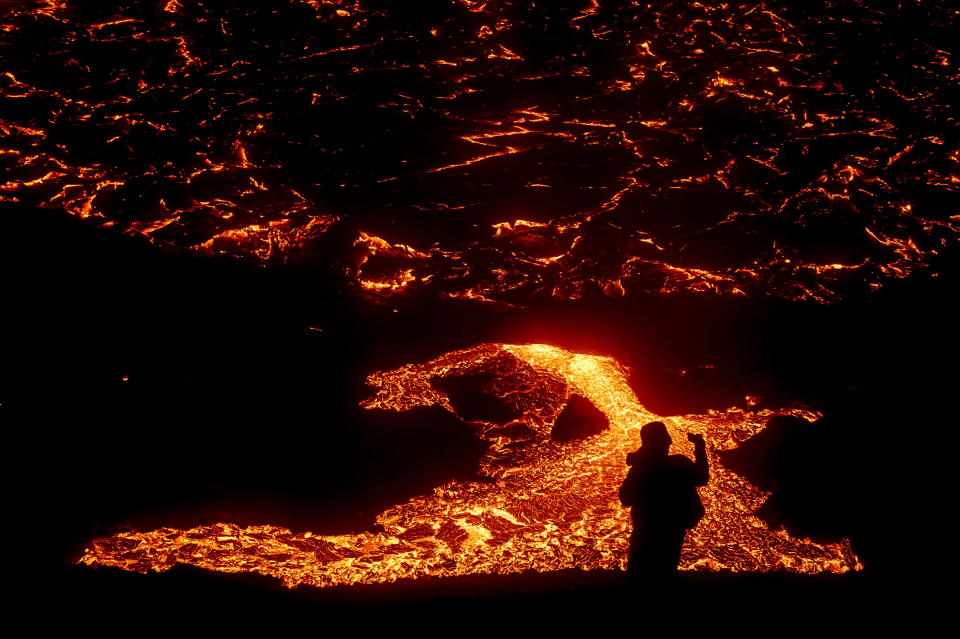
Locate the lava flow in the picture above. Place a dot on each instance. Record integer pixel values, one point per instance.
(501, 151)
(544, 504)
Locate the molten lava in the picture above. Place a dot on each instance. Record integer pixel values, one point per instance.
(500, 151)
(546, 505)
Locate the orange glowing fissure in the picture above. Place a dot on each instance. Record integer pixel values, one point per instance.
(666, 148)
(546, 505)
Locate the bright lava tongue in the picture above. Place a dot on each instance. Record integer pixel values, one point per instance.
(550, 505)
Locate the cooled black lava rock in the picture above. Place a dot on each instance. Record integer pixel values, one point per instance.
(579, 419)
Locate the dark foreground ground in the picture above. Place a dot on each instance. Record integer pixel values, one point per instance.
(114, 602)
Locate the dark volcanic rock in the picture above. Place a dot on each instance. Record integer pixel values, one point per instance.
(579, 419)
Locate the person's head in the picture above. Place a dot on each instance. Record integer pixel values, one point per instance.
(655, 438)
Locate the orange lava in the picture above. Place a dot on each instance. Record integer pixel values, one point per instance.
(715, 148)
(546, 506)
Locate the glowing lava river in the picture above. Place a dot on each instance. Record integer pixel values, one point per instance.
(543, 504)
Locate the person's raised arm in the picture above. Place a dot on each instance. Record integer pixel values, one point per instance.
(700, 455)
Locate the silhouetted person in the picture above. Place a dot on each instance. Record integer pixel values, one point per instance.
(661, 491)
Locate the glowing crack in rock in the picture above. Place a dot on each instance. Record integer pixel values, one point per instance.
(501, 151)
(547, 505)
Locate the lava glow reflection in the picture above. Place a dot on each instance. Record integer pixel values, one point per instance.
(551, 505)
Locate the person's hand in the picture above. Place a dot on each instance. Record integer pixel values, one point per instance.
(696, 439)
